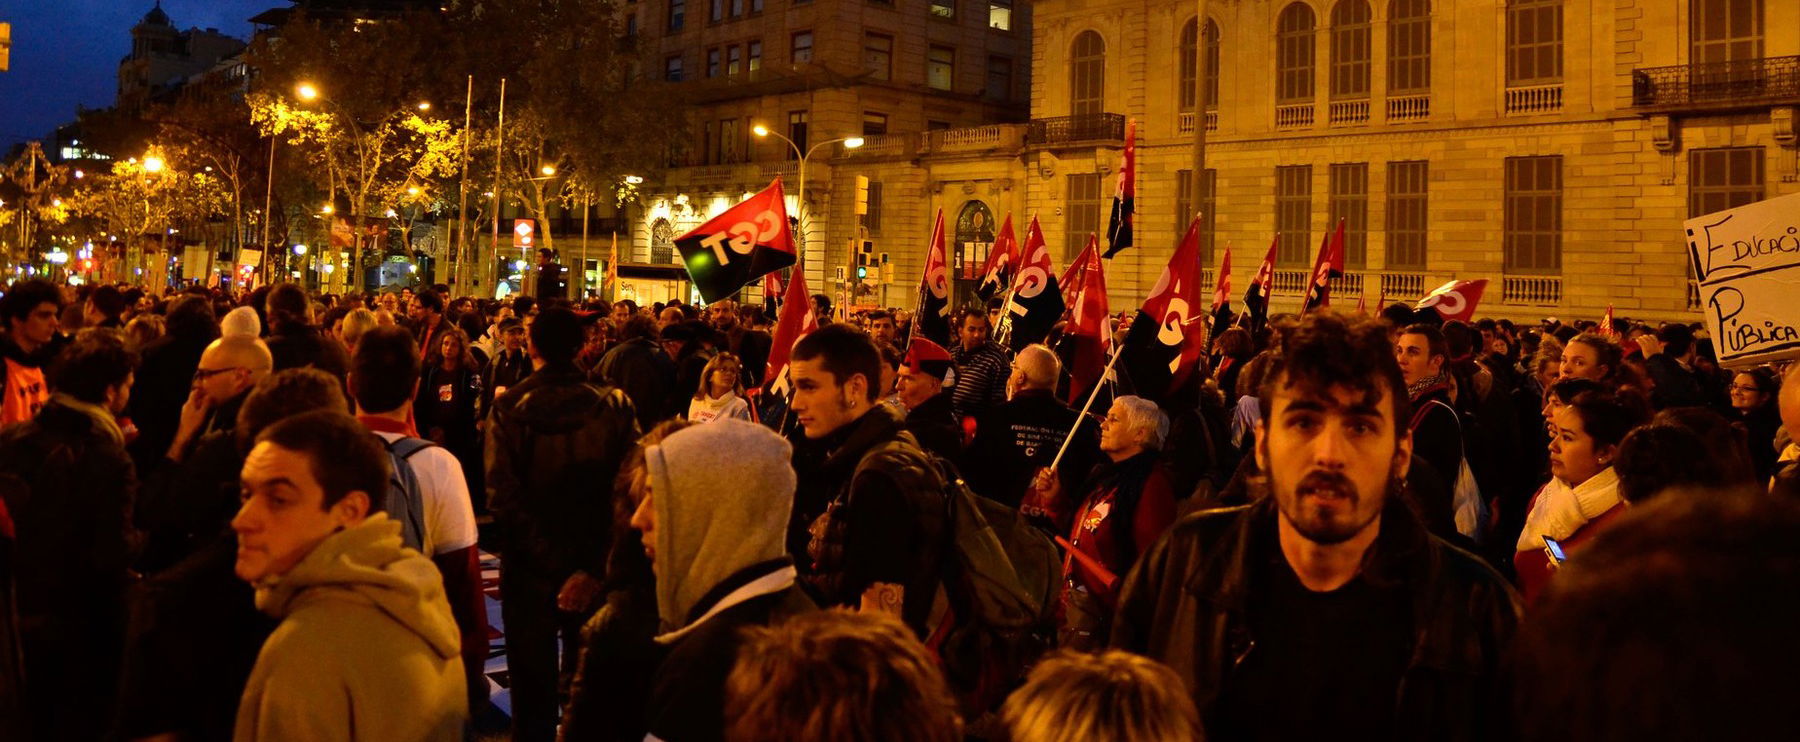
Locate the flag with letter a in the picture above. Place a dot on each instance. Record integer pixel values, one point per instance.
(1157, 354)
(933, 316)
(1037, 299)
(1002, 261)
(1124, 205)
(742, 244)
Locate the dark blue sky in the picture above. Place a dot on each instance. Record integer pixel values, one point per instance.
(67, 52)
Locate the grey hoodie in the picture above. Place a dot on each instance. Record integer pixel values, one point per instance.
(366, 649)
(722, 493)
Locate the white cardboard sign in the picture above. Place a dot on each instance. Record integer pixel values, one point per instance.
(1747, 262)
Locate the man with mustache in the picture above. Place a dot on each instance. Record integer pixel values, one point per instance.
(1325, 607)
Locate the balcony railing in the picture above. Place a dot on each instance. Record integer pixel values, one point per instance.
(1404, 108)
(1187, 122)
(1092, 127)
(1534, 99)
(883, 145)
(1544, 291)
(973, 139)
(1404, 287)
(1297, 116)
(1718, 85)
(1289, 283)
(1348, 112)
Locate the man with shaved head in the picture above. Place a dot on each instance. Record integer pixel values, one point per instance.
(228, 368)
(1020, 436)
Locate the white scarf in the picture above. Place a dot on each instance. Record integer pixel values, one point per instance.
(1560, 510)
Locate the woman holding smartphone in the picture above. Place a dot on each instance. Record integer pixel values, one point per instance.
(1582, 495)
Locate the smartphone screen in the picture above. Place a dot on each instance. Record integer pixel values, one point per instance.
(1555, 551)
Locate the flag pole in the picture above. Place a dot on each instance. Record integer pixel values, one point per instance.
(1085, 406)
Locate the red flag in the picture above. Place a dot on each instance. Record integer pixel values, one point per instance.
(1222, 287)
(1158, 358)
(1087, 330)
(1037, 298)
(1329, 265)
(1606, 324)
(1381, 299)
(1002, 262)
(1071, 277)
(933, 316)
(1455, 300)
(772, 294)
(797, 321)
(1124, 205)
(740, 245)
(1361, 304)
(1256, 298)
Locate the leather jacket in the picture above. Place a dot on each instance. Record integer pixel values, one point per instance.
(554, 445)
(1186, 604)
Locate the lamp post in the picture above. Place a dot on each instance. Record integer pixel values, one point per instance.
(800, 194)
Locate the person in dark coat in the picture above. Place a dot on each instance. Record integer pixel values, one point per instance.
(1435, 426)
(68, 484)
(509, 366)
(429, 326)
(712, 522)
(550, 282)
(165, 375)
(1016, 439)
(294, 341)
(929, 416)
(640, 368)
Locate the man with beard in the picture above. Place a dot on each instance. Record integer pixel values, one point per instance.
(1325, 607)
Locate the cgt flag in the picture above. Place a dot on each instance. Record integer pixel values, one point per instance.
(1124, 205)
(1158, 354)
(1088, 338)
(1002, 261)
(772, 294)
(797, 321)
(1037, 298)
(1453, 300)
(742, 244)
(933, 317)
(1329, 265)
(1221, 302)
(1256, 297)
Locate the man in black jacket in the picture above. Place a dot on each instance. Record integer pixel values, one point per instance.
(510, 364)
(294, 341)
(1435, 427)
(429, 326)
(1324, 608)
(1016, 439)
(638, 367)
(1669, 358)
(69, 486)
(554, 444)
(869, 514)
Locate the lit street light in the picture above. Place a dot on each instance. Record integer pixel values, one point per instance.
(800, 193)
(327, 210)
(306, 91)
(153, 164)
(425, 105)
(548, 170)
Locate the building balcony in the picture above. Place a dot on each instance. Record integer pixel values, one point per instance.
(1348, 112)
(1294, 116)
(883, 145)
(1187, 122)
(1717, 86)
(1093, 128)
(1406, 108)
(1534, 99)
(1538, 291)
(1403, 287)
(974, 140)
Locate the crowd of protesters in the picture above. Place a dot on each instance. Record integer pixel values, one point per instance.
(258, 516)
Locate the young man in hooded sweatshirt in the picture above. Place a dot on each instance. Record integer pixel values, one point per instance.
(713, 524)
(366, 648)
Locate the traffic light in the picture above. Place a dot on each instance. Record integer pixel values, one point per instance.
(862, 195)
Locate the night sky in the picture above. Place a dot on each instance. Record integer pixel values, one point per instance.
(67, 52)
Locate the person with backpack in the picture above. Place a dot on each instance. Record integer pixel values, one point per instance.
(554, 445)
(1436, 428)
(427, 492)
(869, 517)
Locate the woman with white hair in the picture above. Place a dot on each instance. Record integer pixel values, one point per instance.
(1125, 504)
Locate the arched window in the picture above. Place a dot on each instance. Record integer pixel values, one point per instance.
(1294, 54)
(1087, 75)
(1725, 30)
(1186, 71)
(1409, 46)
(974, 239)
(1350, 52)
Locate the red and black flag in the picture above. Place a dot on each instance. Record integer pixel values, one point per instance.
(1256, 297)
(772, 294)
(932, 321)
(1329, 265)
(1002, 262)
(1124, 205)
(742, 244)
(1088, 338)
(1221, 302)
(1166, 338)
(1454, 300)
(1037, 299)
(797, 321)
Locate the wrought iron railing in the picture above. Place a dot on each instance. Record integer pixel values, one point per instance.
(1718, 84)
(1093, 127)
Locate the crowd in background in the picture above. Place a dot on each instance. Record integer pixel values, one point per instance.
(260, 515)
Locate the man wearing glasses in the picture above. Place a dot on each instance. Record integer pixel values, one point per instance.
(228, 368)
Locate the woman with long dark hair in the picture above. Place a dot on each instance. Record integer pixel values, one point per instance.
(445, 408)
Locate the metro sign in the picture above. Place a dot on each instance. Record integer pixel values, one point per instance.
(524, 232)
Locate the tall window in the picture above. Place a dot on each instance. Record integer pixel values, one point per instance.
(878, 56)
(940, 67)
(801, 48)
(999, 79)
(1406, 212)
(1724, 178)
(731, 141)
(797, 128)
(1349, 201)
(1532, 239)
(1409, 46)
(712, 62)
(717, 12)
(1186, 73)
(872, 220)
(672, 68)
(874, 124)
(734, 59)
(1294, 54)
(1293, 213)
(737, 8)
(1350, 52)
(1534, 34)
(1000, 14)
(1083, 212)
(1725, 30)
(677, 14)
(943, 8)
(753, 55)
(1087, 74)
(1185, 208)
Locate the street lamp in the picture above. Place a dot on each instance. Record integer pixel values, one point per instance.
(424, 105)
(306, 91)
(548, 170)
(153, 164)
(800, 194)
